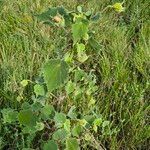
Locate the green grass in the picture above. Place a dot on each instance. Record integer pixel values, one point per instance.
(122, 65)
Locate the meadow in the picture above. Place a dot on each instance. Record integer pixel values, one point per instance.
(74, 74)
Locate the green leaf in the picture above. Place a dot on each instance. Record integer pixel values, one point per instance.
(87, 137)
(39, 126)
(72, 144)
(25, 105)
(50, 145)
(79, 75)
(36, 106)
(82, 57)
(98, 121)
(89, 118)
(62, 11)
(27, 118)
(118, 7)
(24, 82)
(80, 47)
(79, 9)
(60, 134)
(67, 125)
(60, 119)
(47, 15)
(29, 130)
(55, 73)
(88, 13)
(79, 31)
(70, 87)
(72, 113)
(9, 115)
(68, 57)
(82, 122)
(39, 90)
(76, 131)
(46, 111)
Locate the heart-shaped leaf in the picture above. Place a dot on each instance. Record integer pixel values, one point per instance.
(39, 90)
(55, 73)
(72, 144)
(50, 145)
(27, 118)
(79, 31)
(60, 134)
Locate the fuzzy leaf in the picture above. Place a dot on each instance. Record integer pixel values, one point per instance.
(118, 7)
(59, 119)
(9, 115)
(72, 144)
(76, 131)
(67, 125)
(79, 31)
(24, 82)
(27, 118)
(60, 134)
(55, 73)
(50, 145)
(39, 90)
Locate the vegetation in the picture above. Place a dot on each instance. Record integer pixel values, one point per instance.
(74, 75)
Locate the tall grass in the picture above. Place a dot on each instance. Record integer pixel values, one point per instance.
(122, 63)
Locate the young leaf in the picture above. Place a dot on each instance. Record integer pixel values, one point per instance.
(79, 31)
(80, 47)
(82, 57)
(70, 87)
(67, 125)
(68, 57)
(87, 137)
(55, 73)
(39, 90)
(25, 105)
(72, 144)
(24, 82)
(60, 134)
(9, 115)
(47, 111)
(50, 145)
(79, 9)
(118, 7)
(39, 126)
(79, 75)
(59, 119)
(76, 131)
(36, 106)
(97, 122)
(83, 122)
(29, 130)
(72, 113)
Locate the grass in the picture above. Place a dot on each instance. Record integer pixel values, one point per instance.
(121, 65)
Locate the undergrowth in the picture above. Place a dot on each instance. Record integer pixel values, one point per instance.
(74, 75)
